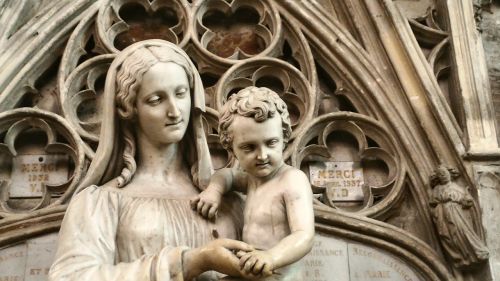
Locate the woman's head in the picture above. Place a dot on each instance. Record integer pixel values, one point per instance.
(168, 71)
(131, 72)
(163, 106)
(123, 80)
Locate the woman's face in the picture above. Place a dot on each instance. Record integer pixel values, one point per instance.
(163, 103)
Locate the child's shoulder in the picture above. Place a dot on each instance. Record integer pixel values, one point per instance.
(293, 174)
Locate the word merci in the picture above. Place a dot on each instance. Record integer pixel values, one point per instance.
(343, 180)
(35, 167)
(30, 172)
(37, 174)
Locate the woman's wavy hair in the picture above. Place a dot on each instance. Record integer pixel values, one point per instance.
(257, 103)
(128, 81)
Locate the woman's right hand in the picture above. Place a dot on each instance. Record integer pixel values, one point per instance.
(218, 255)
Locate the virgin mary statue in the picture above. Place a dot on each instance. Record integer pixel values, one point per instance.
(132, 218)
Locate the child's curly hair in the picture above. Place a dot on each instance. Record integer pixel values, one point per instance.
(258, 103)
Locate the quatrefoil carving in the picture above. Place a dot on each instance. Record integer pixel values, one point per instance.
(61, 140)
(122, 23)
(374, 174)
(236, 30)
(81, 103)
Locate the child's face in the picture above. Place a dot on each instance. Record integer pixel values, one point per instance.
(258, 146)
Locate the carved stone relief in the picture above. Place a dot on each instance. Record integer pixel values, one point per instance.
(350, 158)
(47, 169)
(453, 210)
(362, 144)
(28, 261)
(352, 261)
(489, 192)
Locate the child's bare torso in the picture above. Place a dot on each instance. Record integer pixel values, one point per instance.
(265, 214)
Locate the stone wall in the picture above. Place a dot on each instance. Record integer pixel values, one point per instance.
(491, 41)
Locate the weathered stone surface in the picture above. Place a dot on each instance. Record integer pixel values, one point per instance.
(327, 258)
(367, 264)
(491, 42)
(12, 263)
(414, 8)
(41, 252)
(489, 195)
(336, 259)
(29, 261)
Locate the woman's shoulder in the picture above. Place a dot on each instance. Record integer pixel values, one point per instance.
(94, 196)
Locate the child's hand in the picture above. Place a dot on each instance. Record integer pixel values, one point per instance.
(207, 203)
(257, 263)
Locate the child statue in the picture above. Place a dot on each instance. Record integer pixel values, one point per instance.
(278, 218)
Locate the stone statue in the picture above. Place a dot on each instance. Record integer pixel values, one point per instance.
(279, 221)
(450, 206)
(139, 225)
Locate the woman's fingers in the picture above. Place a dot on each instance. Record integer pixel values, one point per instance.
(235, 245)
(240, 254)
(224, 261)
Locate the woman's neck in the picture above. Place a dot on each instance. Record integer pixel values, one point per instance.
(159, 162)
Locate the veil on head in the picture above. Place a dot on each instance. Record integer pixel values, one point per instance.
(103, 165)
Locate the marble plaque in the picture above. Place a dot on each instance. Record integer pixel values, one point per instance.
(29, 172)
(328, 260)
(12, 263)
(29, 261)
(369, 264)
(343, 180)
(41, 253)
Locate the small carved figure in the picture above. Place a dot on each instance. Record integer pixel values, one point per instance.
(278, 218)
(452, 206)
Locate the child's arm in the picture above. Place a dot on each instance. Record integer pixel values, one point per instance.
(222, 181)
(299, 208)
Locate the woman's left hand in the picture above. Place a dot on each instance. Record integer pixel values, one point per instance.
(218, 255)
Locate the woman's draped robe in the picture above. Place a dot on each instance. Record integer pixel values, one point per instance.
(112, 234)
